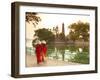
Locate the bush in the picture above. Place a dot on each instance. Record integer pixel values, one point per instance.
(81, 58)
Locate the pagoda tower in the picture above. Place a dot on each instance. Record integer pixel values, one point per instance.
(63, 31)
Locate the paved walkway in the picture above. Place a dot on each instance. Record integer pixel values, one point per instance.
(31, 62)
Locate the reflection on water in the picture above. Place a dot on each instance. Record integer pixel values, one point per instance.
(65, 53)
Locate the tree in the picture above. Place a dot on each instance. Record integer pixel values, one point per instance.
(73, 36)
(45, 34)
(79, 30)
(32, 17)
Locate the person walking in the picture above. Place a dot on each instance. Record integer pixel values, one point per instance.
(38, 52)
(44, 50)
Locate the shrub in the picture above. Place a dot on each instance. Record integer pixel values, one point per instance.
(81, 58)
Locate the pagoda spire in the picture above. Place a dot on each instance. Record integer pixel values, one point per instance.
(63, 30)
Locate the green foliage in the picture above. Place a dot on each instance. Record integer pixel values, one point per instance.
(82, 58)
(32, 17)
(45, 34)
(79, 30)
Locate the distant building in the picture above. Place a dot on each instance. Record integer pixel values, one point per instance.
(60, 37)
(63, 29)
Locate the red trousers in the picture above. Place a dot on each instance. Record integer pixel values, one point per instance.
(38, 53)
(39, 57)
